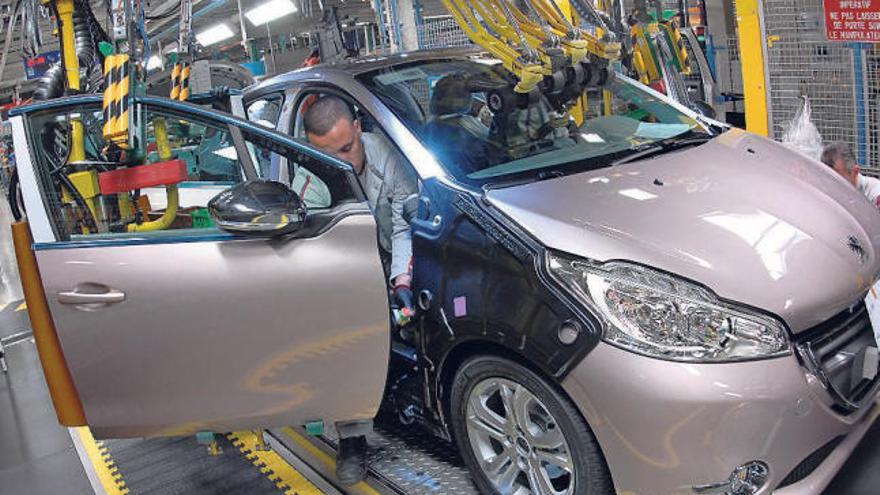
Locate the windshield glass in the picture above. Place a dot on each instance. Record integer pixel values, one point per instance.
(449, 105)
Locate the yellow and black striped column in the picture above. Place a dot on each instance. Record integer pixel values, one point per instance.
(180, 81)
(116, 101)
(175, 81)
(184, 81)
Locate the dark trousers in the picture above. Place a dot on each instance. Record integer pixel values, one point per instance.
(355, 428)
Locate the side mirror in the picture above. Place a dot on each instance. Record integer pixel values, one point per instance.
(258, 208)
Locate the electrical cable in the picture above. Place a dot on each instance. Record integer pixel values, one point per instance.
(142, 29)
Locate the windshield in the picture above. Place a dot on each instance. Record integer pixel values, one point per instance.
(449, 105)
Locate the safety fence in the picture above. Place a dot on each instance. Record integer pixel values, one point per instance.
(872, 117)
(440, 32)
(842, 80)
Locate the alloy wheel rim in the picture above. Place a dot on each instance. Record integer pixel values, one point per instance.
(517, 442)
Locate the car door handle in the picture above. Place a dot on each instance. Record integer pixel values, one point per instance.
(75, 297)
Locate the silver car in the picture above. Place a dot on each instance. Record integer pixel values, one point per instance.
(641, 302)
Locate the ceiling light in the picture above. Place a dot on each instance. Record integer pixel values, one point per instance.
(214, 34)
(269, 11)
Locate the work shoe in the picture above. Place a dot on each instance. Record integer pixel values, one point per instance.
(351, 460)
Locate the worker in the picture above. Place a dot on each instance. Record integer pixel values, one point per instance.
(313, 59)
(841, 158)
(392, 191)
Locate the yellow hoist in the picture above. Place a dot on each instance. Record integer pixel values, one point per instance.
(561, 47)
(542, 44)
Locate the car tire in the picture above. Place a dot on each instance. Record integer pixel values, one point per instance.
(493, 447)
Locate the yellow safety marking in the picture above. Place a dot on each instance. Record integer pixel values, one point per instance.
(276, 469)
(21, 307)
(175, 81)
(102, 463)
(184, 82)
(115, 104)
(361, 488)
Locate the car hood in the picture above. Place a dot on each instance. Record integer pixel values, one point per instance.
(753, 221)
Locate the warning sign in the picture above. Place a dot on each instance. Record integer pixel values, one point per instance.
(853, 20)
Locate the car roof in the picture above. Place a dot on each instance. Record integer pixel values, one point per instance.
(351, 68)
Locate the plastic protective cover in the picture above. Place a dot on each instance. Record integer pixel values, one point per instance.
(801, 134)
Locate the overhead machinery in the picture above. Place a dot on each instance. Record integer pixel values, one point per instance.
(558, 49)
(101, 193)
(545, 48)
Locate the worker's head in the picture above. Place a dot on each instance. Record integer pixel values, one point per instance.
(331, 127)
(840, 157)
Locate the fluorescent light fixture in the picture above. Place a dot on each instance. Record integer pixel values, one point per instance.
(214, 34)
(155, 62)
(269, 11)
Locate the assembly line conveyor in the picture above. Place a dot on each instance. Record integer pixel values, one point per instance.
(402, 460)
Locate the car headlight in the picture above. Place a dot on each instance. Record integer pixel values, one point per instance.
(662, 316)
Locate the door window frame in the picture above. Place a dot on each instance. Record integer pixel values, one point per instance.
(410, 147)
(251, 132)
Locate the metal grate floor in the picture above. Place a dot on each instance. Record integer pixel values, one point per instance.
(180, 465)
(415, 462)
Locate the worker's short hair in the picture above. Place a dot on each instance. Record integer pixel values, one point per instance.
(323, 114)
(839, 151)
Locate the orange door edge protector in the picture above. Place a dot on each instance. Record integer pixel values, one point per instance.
(65, 398)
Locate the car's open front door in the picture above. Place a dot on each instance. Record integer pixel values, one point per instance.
(189, 328)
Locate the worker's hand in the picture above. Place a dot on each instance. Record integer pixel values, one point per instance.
(404, 309)
(402, 279)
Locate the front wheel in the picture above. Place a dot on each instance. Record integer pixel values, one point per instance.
(519, 436)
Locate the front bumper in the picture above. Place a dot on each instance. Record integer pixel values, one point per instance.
(665, 427)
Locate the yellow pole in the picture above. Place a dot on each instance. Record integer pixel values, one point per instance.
(752, 49)
(71, 68)
(68, 46)
(161, 132)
